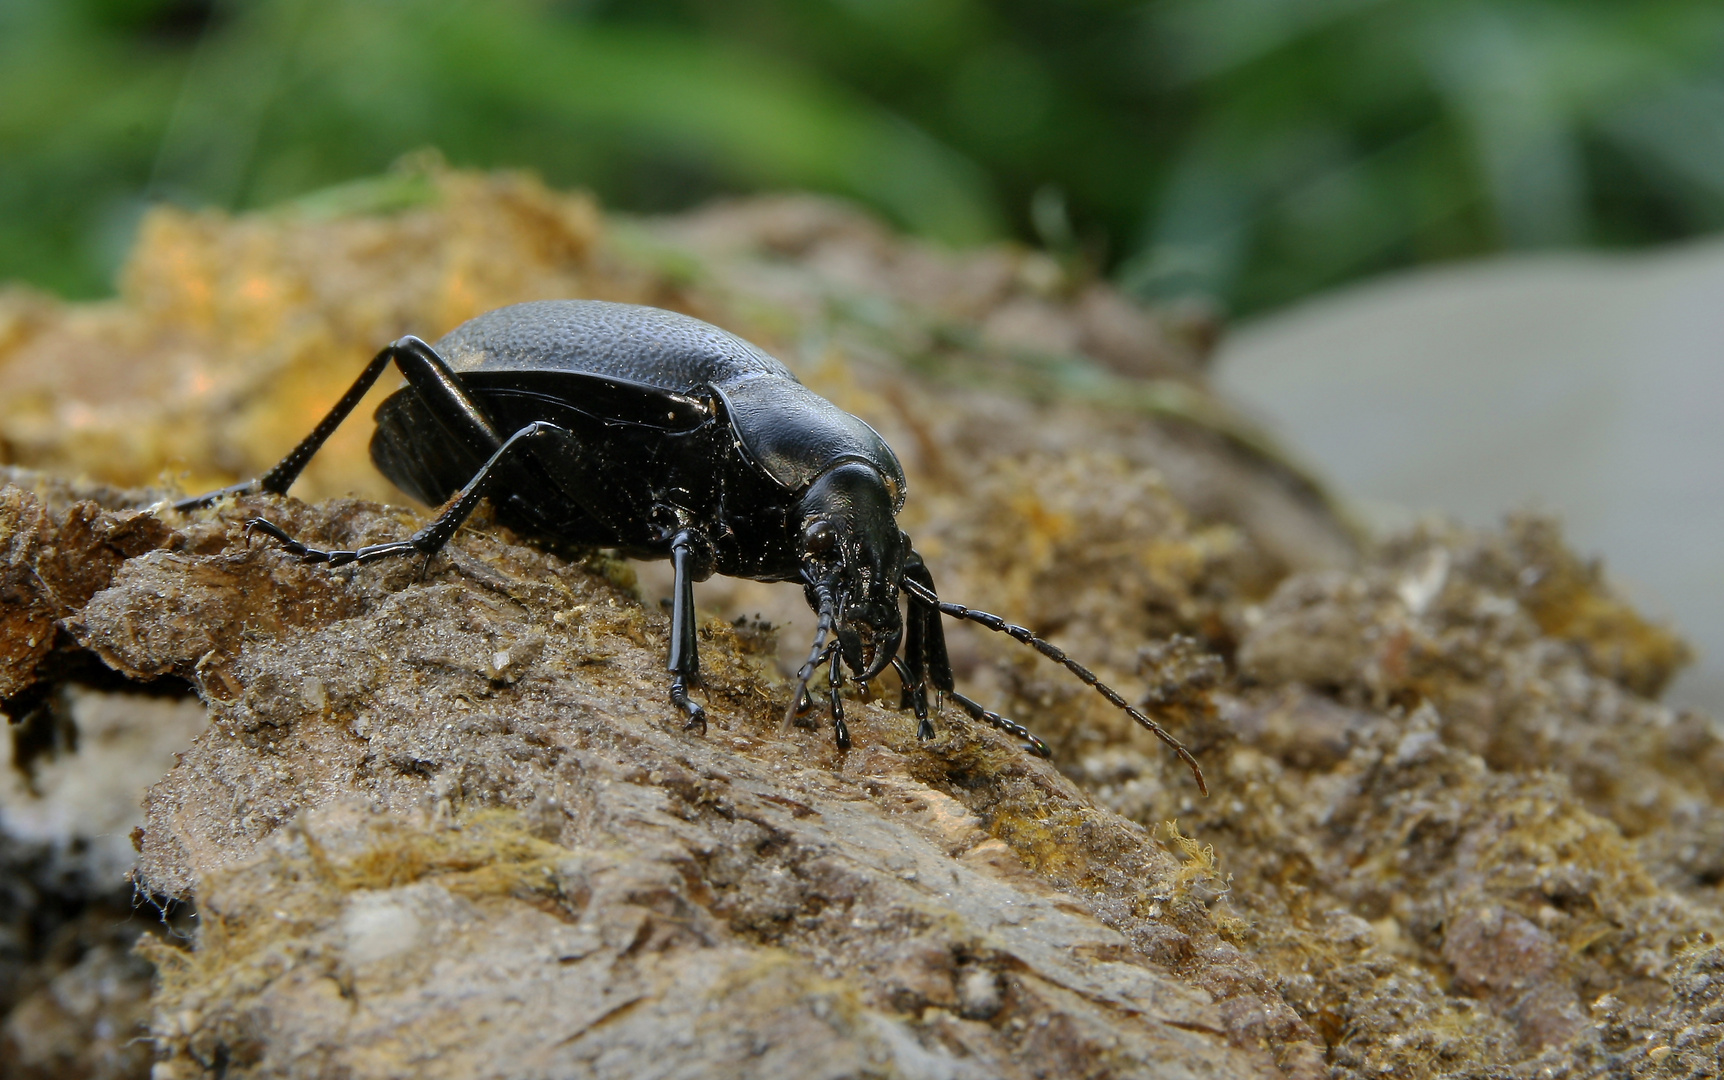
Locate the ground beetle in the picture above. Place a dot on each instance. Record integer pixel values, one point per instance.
(659, 435)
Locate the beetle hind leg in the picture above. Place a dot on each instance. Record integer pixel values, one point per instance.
(428, 374)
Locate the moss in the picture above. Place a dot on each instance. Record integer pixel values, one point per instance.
(491, 853)
(1570, 599)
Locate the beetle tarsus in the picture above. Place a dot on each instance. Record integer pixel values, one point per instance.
(993, 719)
(336, 557)
(197, 502)
(679, 697)
(921, 591)
(914, 696)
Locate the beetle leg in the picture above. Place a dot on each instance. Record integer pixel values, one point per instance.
(430, 539)
(427, 372)
(679, 697)
(835, 688)
(924, 592)
(800, 701)
(915, 697)
(914, 669)
(924, 637)
(684, 656)
(995, 720)
(925, 630)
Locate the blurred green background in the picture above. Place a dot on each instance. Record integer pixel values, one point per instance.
(1250, 150)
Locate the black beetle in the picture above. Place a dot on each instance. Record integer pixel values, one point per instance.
(659, 435)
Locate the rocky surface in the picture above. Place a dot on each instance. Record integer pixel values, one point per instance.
(435, 819)
(444, 823)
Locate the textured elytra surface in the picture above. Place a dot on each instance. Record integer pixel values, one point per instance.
(669, 351)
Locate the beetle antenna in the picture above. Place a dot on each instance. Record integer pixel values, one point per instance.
(823, 629)
(1053, 652)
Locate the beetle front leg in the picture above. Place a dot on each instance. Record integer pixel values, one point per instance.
(835, 687)
(925, 631)
(913, 669)
(684, 664)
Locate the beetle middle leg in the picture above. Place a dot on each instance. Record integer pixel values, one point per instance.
(921, 590)
(685, 549)
(928, 662)
(430, 539)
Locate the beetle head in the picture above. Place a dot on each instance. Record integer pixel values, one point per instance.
(851, 545)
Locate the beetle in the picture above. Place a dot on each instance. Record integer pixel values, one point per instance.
(662, 436)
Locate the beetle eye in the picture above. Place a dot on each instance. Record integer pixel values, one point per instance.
(819, 539)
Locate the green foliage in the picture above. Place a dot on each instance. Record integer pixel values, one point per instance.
(1252, 149)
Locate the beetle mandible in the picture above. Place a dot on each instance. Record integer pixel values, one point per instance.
(662, 436)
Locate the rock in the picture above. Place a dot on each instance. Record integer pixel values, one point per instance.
(531, 874)
(447, 823)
